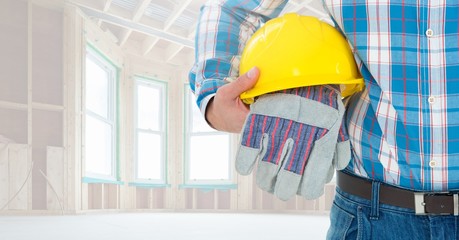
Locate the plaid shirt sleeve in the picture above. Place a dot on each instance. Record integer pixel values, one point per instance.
(223, 29)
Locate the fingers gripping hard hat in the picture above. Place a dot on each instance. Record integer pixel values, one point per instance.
(296, 51)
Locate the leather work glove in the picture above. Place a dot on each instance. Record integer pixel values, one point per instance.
(343, 149)
(342, 155)
(293, 136)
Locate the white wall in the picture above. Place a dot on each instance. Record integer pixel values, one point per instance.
(41, 114)
(31, 90)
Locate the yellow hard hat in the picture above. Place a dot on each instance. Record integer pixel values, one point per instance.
(296, 51)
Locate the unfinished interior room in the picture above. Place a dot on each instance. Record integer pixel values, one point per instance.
(101, 136)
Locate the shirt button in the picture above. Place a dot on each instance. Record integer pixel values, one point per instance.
(432, 163)
(429, 32)
(431, 99)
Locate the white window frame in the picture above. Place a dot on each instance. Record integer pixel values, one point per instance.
(162, 132)
(189, 103)
(111, 119)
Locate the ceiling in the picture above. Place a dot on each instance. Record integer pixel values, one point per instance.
(161, 29)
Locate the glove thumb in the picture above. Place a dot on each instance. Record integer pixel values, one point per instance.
(342, 155)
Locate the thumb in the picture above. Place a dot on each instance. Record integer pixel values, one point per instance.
(242, 83)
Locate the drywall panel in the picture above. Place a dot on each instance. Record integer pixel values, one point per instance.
(55, 177)
(111, 196)
(205, 199)
(4, 175)
(47, 56)
(47, 129)
(142, 195)
(13, 123)
(19, 177)
(39, 182)
(158, 197)
(14, 51)
(95, 196)
(224, 199)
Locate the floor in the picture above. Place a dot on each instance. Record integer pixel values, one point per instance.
(165, 226)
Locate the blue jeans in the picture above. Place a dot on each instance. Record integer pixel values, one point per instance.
(353, 217)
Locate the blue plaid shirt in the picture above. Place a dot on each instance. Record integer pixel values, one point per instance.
(404, 127)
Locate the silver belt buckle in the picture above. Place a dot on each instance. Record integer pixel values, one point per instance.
(419, 203)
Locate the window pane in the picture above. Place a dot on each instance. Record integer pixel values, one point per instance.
(97, 88)
(209, 157)
(149, 156)
(198, 123)
(148, 107)
(98, 146)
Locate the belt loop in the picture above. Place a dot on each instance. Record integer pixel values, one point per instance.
(374, 215)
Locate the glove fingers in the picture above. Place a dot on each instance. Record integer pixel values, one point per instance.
(317, 170)
(245, 159)
(287, 184)
(266, 171)
(266, 176)
(287, 181)
(342, 155)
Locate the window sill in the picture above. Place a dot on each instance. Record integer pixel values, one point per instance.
(99, 180)
(209, 187)
(149, 185)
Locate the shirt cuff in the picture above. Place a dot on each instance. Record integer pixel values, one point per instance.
(204, 102)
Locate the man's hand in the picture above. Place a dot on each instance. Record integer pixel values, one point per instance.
(226, 112)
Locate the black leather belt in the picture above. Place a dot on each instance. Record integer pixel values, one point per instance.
(423, 203)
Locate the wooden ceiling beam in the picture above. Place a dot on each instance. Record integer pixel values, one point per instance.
(176, 14)
(134, 26)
